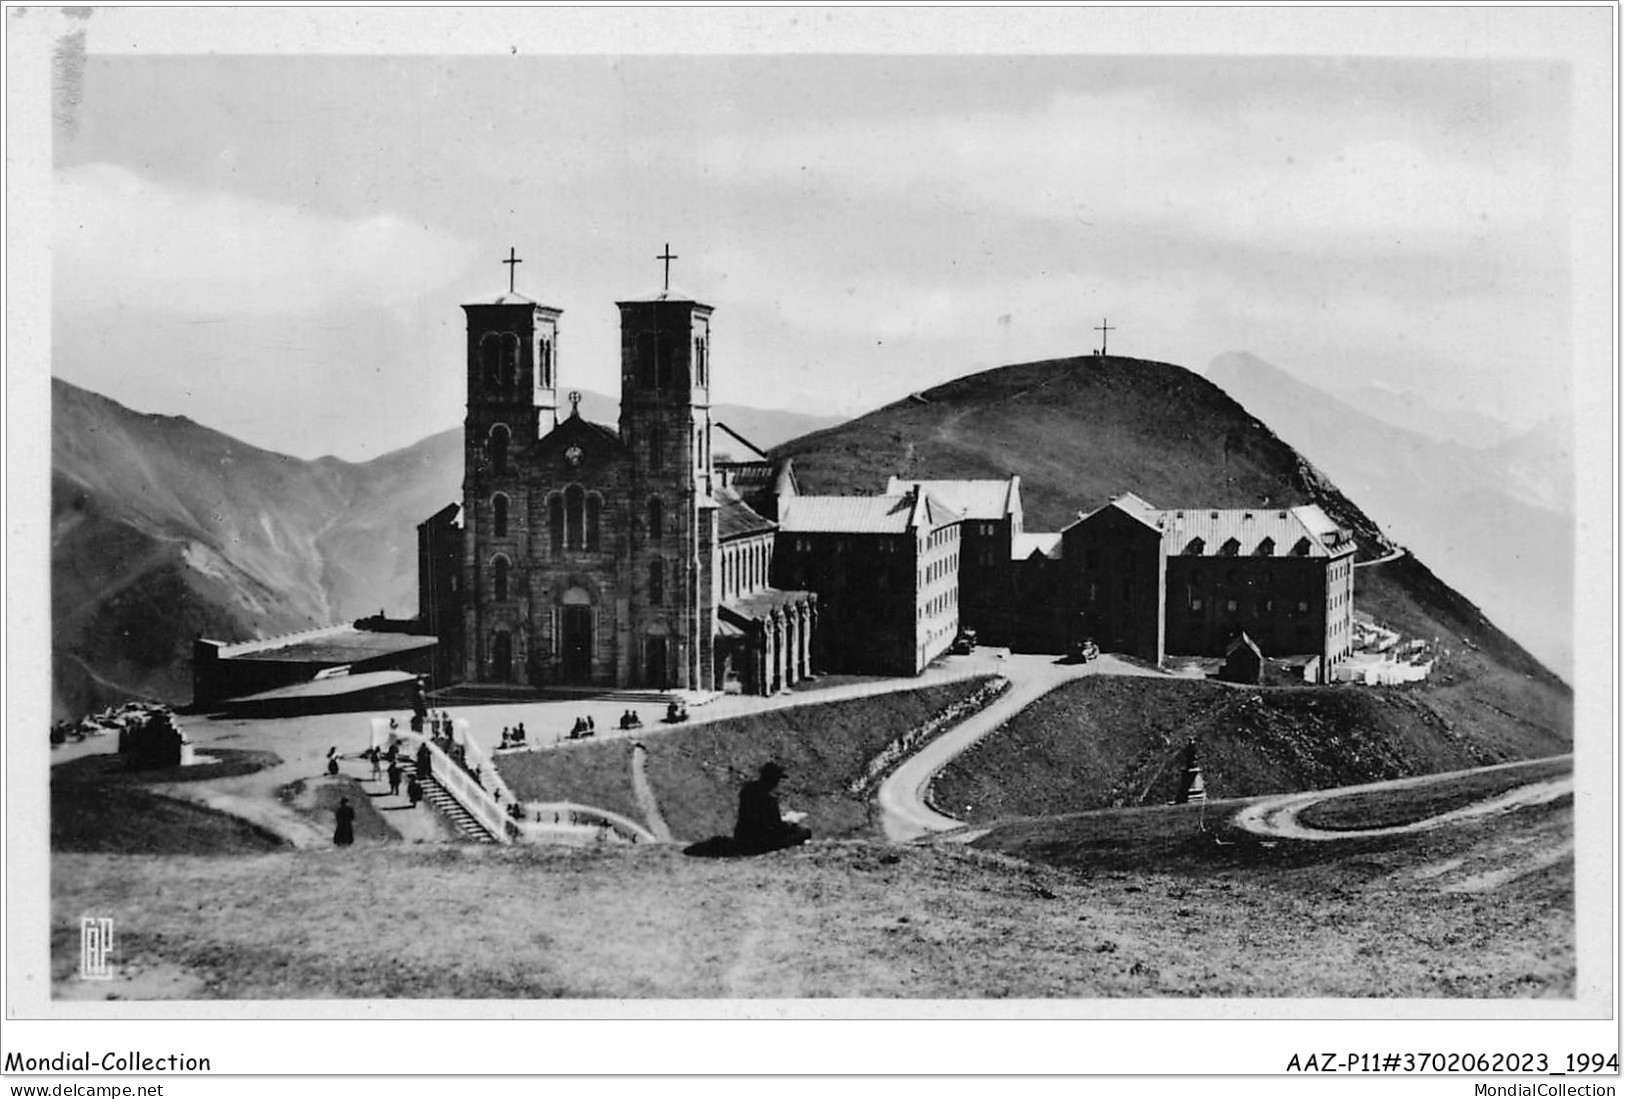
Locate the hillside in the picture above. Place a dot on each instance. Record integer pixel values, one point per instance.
(1107, 742)
(1496, 521)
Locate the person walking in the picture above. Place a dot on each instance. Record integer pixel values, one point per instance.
(376, 759)
(344, 824)
(394, 774)
(414, 791)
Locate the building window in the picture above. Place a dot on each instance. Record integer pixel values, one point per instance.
(656, 445)
(657, 582)
(1230, 548)
(1301, 549)
(555, 522)
(1194, 547)
(499, 579)
(497, 449)
(657, 518)
(499, 516)
(595, 507)
(574, 499)
(1266, 548)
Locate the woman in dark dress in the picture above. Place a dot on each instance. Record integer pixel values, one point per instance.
(344, 824)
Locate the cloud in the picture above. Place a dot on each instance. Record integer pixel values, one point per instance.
(123, 239)
(1296, 177)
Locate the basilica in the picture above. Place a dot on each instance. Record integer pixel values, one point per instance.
(599, 556)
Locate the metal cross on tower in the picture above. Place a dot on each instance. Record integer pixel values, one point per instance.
(511, 261)
(1104, 328)
(667, 257)
(574, 397)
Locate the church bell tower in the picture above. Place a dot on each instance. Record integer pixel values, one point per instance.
(512, 364)
(666, 427)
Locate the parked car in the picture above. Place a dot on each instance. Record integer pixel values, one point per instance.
(964, 643)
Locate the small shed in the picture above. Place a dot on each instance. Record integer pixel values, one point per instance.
(1243, 663)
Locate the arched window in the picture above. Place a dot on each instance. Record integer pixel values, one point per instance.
(595, 507)
(497, 448)
(499, 515)
(573, 499)
(489, 354)
(657, 582)
(657, 518)
(544, 363)
(499, 578)
(555, 522)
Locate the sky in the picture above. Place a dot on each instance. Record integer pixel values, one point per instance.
(276, 244)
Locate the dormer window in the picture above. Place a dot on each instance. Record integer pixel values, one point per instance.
(1266, 548)
(1195, 547)
(1230, 548)
(1301, 549)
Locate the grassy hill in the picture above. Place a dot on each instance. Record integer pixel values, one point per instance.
(1153, 910)
(1104, 742)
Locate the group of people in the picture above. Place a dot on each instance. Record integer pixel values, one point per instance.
(582, 729)
(676, 711)
(513, 738)
(630, 720)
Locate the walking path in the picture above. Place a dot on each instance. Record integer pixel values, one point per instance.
(1278, 816)
(1394, 556)
(645, 796)
(904, 812)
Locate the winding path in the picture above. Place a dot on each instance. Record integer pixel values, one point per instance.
(644, 794)
(1278, 816)
(905, 815)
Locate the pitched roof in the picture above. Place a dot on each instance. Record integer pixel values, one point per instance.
(735, 518)
(1129, 504)
(1023, 546)
(753, 453)
(847, 514)
(982, 499)
(760, 604)
(1250, 532)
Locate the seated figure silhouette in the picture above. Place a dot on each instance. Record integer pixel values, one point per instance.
(761, 827)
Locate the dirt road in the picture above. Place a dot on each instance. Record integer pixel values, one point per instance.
(1278, 816)
(904, 813)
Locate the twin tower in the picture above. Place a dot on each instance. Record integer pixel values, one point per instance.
(588, 550)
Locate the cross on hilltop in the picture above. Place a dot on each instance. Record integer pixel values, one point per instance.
(1103, 328)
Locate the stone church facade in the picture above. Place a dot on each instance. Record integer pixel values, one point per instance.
(612, 557)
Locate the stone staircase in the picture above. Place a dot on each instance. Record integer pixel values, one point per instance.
(449, 808)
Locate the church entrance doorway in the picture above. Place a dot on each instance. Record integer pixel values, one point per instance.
(577, 644)
(502, 657)
(655, 674)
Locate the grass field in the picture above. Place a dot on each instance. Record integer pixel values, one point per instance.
(596, 773)
(1407, 805)
(1105, 742)
(696, 773)
(1120, 904)
(96, 805)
